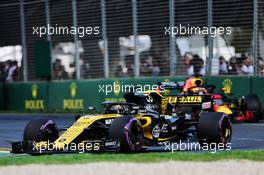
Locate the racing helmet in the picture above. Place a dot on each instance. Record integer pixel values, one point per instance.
(196, 82)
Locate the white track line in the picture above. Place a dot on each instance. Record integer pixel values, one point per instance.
(252, 124)
(249, 139)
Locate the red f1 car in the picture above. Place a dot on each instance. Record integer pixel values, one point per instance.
(245, 109)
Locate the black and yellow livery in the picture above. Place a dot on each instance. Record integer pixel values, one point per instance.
(145, 119)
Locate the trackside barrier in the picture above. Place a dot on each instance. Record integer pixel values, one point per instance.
(1, 97)
(73, 96)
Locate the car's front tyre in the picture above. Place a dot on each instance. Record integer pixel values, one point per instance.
(214, 128)
(41, 130)
(128, 130)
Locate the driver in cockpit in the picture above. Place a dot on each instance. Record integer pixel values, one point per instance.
(194, 85)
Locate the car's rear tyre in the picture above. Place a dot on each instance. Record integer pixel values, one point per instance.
(41, 130)
(128, 130)
(214, 128)
(253, 104)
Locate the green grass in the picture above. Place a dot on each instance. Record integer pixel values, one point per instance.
(257, 155)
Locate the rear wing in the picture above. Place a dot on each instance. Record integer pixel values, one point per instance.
(172, 85)
(194, 99)
(189, 99)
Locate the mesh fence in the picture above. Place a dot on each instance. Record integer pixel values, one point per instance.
(172, 37)
(34, 14)
(235, 49)
(10, 36)
(155, 59)
(89, 14)
(119, 28)
(192, 48)
(260, 38)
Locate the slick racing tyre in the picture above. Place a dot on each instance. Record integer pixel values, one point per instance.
(253, 104)
(128, 130)
(41, 130)
(214, 128)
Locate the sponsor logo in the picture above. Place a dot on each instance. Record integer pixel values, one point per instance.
(164, 103)
(115, 99)
(156, 131)
(190, 99)
(206, 105)
(172, 100)
(34, 90)
(34, 103)
(227, 86)
(73, 104)
(113, 143)
(149, 99)
(108, 121)
(73, 90)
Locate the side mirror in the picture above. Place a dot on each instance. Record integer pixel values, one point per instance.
(135, 107)
(91, 108)
(180, 83)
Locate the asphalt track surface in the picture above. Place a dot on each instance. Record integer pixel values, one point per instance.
(246, 136)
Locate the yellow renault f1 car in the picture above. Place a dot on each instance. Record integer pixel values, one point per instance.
(128, 127)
